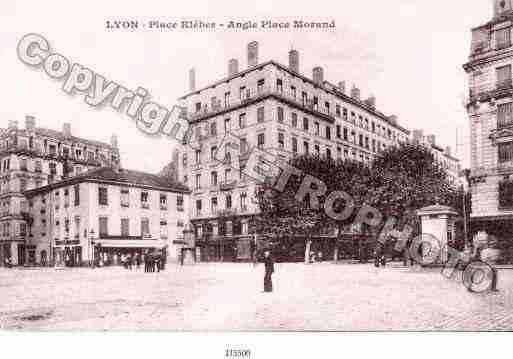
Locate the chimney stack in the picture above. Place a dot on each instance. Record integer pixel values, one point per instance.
(30, 123)
(393, 119)
(371, 102)
(252, 54)
(66, 129)
(448, 150)
(318, 75)
(342, 87)
(294, 60)
(431, 139)
(355, 93)
(12, 125)
(233, 67)
(192, 80)
(114, 141)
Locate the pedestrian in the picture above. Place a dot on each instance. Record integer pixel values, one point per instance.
(130, 261)
(269, 270)
(159, 263)
(138, 260)
(8, 262)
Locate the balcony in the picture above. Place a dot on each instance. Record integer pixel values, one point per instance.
(163, 207)
(485, 93)
(145, 205)
(264, 92)
(228, 185)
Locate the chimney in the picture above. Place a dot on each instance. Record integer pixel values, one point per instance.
(355, 93)
(114, 141)
(30, 123)
(371, 102)
(342, 87)
(318, 75)
(418, 135)
(192, 80)
(233, 67)
(66, 129)
(12, 125)
(431, 139)
(294, 60)
(448, 150)
(252, 54)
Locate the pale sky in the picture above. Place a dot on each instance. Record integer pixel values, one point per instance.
(407, 53)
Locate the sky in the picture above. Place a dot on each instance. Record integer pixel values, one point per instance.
(407, 53)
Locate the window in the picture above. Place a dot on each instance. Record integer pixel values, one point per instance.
(339, 131)
(226, 124)
(327, 107)
(279, 85)
(373, 145)
(504, 114)
(294, 145)
(243, 198)
(260, 86)
(125, 227)
(366, 142)
(23, 164)
(328, 153)
(242, 120)
(281, 140)
(317, 150)
(198, 157)
(373, 127)
(213, 151)
(316, 128)
(328, 132)
(179, 203)
(38, 166)
(260, 114)
(228, 201)
(227, 175)
(53, 168)
(213, 205)
(306, 146)
(344, 114)
(163, 229)
(294, 120)
(198, 106)
(226, 99)
(163, 201)
(198, 181)
(304, 98)
(316, 103)
(76, 192)
(339, 152)
(66, 198)
(337, 110)
(305, 124)
(213, 177)
(213, 129)
(103, 199)
(261, 140)
(293, 92)
(360, 140)
(145, 227)
(243, 145)
(23, 184)
(198, 207)
(103, 226)
(242, 93)
(345, 134)
(280, 114)
(504, 77)
(145, 199)
(505, 152)
(503, 38)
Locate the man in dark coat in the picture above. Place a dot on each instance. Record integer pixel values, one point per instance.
(269, 270)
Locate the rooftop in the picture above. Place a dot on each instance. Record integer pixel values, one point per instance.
(117, 177)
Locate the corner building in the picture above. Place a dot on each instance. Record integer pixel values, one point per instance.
(278, 109)
(490, 111)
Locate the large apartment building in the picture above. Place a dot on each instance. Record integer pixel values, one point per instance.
(490, 110)
(34, 157)
(278, 109)
(442, 156)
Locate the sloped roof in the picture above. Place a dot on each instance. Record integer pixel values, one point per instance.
(121, 177)
(437, 208)
(58, 135)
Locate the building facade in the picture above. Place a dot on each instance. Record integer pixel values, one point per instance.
(277, 109)
(104, 213)
(442, 156)
(34, 157)
(490, 110)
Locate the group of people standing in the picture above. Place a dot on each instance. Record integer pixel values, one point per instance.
(153, 262)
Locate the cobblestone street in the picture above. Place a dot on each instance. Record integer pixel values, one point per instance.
(229, 297)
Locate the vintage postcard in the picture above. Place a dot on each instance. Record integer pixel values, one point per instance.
(256, 167)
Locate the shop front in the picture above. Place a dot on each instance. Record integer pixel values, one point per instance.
(67, 253)
(108, 252)
(494, 234)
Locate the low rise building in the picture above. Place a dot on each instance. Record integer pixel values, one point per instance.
(104, 213)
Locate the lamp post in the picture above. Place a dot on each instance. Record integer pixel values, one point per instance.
(91, 247)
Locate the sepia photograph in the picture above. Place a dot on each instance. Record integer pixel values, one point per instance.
(255, 168)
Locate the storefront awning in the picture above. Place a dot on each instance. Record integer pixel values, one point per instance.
(131, 243)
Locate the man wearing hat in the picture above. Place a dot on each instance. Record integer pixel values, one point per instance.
(269, 270)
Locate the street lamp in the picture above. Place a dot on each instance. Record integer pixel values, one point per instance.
(91, 252)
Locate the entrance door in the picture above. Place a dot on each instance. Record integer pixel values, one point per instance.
(21, 254)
